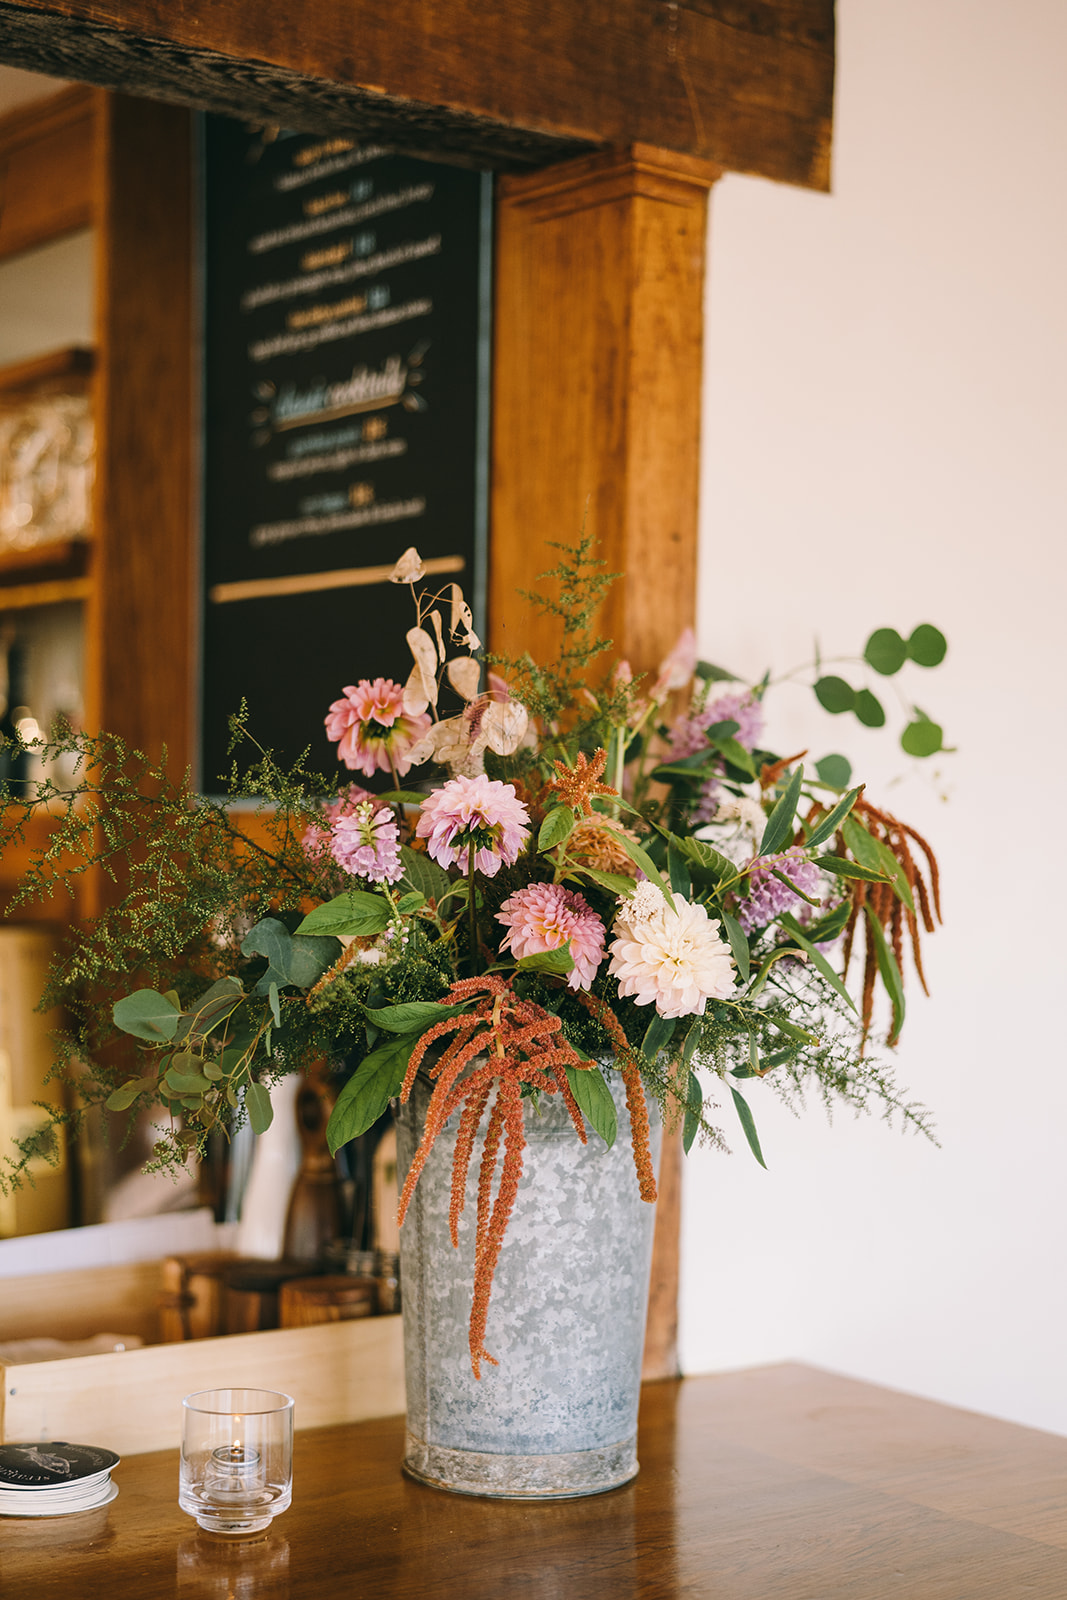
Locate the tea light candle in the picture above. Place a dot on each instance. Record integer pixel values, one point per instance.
(236, 1466)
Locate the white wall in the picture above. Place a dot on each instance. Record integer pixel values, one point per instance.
(884, 445)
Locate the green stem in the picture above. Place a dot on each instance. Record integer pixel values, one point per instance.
(472, 909)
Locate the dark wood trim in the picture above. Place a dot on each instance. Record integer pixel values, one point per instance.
(46, 152)
(749, 86)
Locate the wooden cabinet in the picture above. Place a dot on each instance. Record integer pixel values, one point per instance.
(122, 167)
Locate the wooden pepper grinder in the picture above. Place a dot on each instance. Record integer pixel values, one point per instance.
(315, 1207)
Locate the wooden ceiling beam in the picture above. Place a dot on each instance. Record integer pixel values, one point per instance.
(747, 84)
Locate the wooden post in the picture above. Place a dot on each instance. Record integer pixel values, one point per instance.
(597, 372)
(597, 381)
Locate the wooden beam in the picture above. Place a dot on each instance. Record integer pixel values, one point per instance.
(46, 153)
(747, 84)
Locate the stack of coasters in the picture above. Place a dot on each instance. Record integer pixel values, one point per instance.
(55, 1480)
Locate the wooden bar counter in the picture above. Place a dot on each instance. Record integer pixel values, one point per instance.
(779, 1482)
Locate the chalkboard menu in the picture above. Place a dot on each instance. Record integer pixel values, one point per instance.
(345, 390)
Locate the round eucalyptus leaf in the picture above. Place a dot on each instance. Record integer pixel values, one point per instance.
(835, 770)
(869, 709)
(922, 738)
(835, 695)
(885, 651)
(927, 646)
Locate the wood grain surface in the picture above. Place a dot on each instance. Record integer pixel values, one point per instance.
(782, 1483)
(749, 85)
(46, 157)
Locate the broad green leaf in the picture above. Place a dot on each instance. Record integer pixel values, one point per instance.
(835, 770)
(862, 845)
(257, 1104)
(678, 869)
(927, 646)
(723, 730)
(780, 822)
(745, 1115)
(410, 902)
(738, 945)
(402, 797)
(558, 962)
(368, 1092)
(557, 826)
(614, 882)
(735, 754)
(122, 1099)
(594, 1101)
(764, 972)
(694, 1105)
(147, 1015)
(658, 1036)
(713, 674)
(783, 877)
(357, 913)
(922, 737)
(423, 874)
(835, 695)
(692, 1039)
(885, 651)
(869, 709)
(890, 972)
(275, 1004)
(272, 939)
(849, 869)
(414, 1016)
(829, 824)
(642, 859)
(816, 957)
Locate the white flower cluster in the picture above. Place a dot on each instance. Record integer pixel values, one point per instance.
(669, 956)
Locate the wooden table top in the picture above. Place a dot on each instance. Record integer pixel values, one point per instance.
(782, 1483)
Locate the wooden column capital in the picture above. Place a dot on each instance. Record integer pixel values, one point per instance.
(609, 175)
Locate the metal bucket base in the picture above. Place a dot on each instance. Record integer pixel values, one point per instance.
(500, 1477)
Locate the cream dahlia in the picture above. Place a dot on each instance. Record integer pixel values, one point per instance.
(543, 916)
(669, 956)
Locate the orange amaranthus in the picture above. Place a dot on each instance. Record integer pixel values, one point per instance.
(521, 1043)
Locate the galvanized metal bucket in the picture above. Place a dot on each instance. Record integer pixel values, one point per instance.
(557, 1417)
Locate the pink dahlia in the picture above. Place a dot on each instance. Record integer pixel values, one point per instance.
(316, 839)
(371, 729)
(478, 813)
(366, 843)
(543, 916)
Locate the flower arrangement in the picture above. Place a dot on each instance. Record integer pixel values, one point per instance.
(595, 875)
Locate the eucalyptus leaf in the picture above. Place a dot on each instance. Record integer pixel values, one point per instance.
(927, 645)
(368, 1092)
(211, 1008)
(885, 651)
(922, 738)
(835, 695)
(869, 709)
(146, 1015)
(594, 1101)
(257, 1104)
(744, 1113)
(835, 770)
(122, 1099)
(186, 1083)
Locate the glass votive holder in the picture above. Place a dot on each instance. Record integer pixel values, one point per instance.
(237, 1458)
